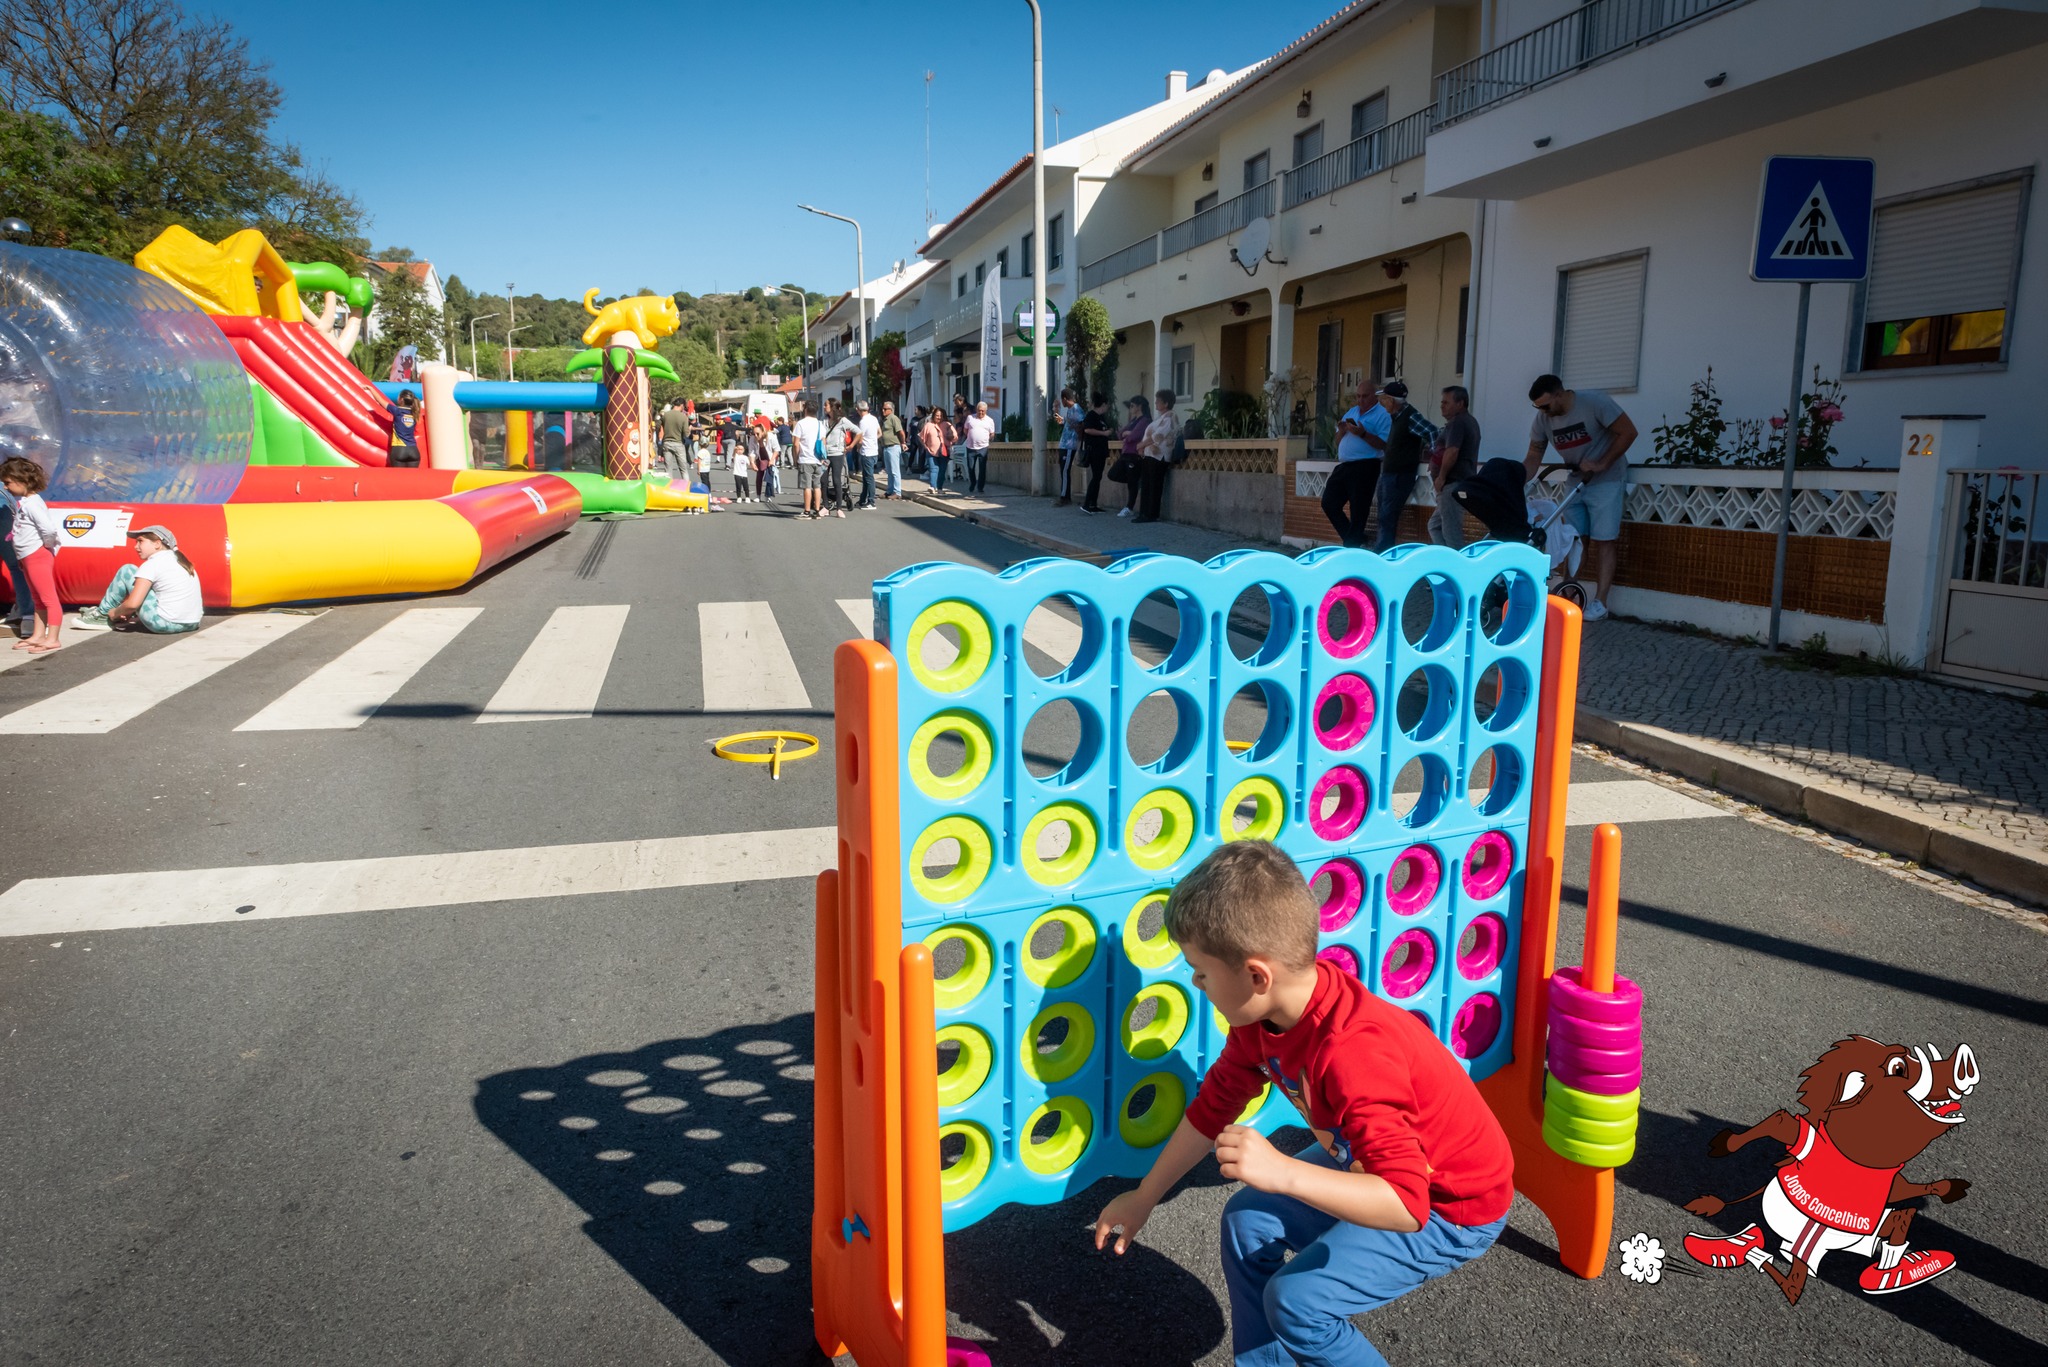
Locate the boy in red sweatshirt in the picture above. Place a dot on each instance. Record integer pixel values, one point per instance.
(1410, 1175)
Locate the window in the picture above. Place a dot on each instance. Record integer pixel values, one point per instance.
(1308, 145)
(1599, 338)
(1942, 275)
(960, 288)
(1025, 255)
(1206, 202)
(1183, 373)
(980, 273)
(1368, 115)
(1464, 323)
(1055, 242)
(1003, 263)
(1258, 170)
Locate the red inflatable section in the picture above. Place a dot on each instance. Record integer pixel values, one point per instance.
(510, 517)
(335, 484)
(83, 572)
(314, 383)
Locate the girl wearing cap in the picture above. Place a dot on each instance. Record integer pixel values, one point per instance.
(162, 595)
(35, 549)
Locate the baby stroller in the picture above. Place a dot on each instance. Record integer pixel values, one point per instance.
(1495, 496)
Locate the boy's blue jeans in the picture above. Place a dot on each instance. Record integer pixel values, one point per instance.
(1285, 1312)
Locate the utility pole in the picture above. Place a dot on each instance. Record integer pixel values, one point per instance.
(1038, 328)
(860, 288)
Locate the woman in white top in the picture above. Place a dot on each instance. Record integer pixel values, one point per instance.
(161, 595)
(1154, 454)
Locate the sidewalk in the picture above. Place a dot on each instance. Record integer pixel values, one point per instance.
(1949, 777)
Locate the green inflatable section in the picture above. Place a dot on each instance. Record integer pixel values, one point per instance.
(281, 439)
(601, 495)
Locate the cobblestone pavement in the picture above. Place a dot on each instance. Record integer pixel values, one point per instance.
(1973, 759)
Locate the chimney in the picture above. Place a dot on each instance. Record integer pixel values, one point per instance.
(1176, 84)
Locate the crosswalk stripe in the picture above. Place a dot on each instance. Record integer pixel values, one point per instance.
(344, 693)
(9, 657)
(747, 664)
(121, 695)
(117, 901)
(563, 670)
(860, 612)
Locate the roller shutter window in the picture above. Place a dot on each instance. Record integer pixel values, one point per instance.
(1600, 323)
(1942, 273)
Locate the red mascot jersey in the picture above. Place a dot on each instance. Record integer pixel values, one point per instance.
(1829, 1188)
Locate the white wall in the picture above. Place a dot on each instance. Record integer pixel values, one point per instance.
(1694, 213)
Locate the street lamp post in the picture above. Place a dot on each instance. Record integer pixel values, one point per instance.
(484, 318)
(1038, 328)
(511, 317)
(804, 316)
(508, 350)
(860, 288)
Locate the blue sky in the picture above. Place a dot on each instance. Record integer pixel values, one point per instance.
(630, 143)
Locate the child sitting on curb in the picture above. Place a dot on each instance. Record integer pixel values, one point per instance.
(1410, 1176)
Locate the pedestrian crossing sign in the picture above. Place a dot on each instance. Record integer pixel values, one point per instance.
(1813, 219)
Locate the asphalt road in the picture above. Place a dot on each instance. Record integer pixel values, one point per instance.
(577, 1129)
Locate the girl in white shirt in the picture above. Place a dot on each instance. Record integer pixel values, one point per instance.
(160, 596)
(35, 550)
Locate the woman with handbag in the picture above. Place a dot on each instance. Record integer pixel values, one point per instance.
(1155, 454)
(1138, 417)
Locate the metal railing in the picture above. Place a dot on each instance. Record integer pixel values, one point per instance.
(1119, 264)
(920, 332)
(961, 321)
(1594, 30)
(1385, 146)
(1994, 531)
(1218, 220)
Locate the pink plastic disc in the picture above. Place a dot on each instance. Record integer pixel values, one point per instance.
(1487, 864)
(1342, 957)
(1489, 936)
(1362, 618)
(1421, 875)
(1343, 818)
(966, 1353)
(1409, 962)
(1353, 697)
(1476, 1026)
(1347, 891)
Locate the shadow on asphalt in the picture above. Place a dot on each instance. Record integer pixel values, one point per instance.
(691, 1159)
(1672, 1165)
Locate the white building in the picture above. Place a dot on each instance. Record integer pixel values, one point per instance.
(836, 334)
(424, 274)
(1617, 151)
(994, 235)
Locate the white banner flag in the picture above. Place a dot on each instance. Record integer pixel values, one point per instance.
(992, 338)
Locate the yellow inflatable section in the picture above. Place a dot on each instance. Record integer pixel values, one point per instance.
(293, 552)
(241, 274)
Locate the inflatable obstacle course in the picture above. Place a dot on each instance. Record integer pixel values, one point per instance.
(1412, 760)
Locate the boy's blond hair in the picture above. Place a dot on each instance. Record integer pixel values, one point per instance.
(1246, 900)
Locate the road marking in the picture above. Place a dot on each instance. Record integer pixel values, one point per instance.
(562, 672)
(1630, 800)
(124, 901)
(121, 695)
(860, 612)
(10, 657)
(747, 665)
(347, 691)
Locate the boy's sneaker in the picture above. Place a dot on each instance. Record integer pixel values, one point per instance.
(90, 619)
(1596, 611)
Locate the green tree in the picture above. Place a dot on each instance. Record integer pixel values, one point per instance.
(699, 372)
(404, 317)
(1089, 337)
(161, 118)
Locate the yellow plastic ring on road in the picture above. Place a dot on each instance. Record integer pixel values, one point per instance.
(774, 757)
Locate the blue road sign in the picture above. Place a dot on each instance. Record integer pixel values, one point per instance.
(1813, 219)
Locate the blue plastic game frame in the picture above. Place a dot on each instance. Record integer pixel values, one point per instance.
(1001, 1090)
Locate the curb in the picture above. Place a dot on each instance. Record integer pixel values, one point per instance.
(1874, 821)
(1071, 549)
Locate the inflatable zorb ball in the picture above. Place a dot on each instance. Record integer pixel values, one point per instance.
(116, 384)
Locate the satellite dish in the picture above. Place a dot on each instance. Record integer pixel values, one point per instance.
(1216, 77)
(1251, 245)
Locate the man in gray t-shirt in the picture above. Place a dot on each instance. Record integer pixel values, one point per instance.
(1592, 436)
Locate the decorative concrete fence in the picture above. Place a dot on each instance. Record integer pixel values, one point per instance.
(1237, 487)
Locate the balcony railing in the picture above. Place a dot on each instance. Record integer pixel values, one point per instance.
(1117, 265)
(921, 331)
(1218, 220)
(1594, 30)
(1387, 146)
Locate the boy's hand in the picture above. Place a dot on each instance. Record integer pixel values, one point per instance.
(1249, 1157)
(1129, 1211)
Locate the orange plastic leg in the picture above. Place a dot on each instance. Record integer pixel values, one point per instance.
(1577, 1200)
